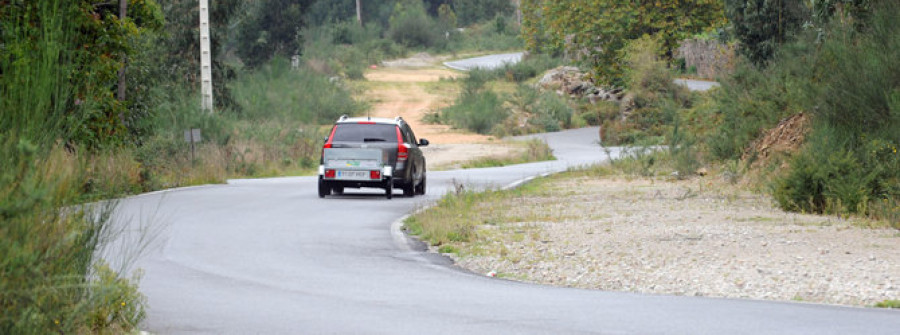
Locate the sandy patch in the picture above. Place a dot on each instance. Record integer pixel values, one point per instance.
(402, 92)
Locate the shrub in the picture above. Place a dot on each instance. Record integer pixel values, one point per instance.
(477, 111)
(530, 67)
(411, 26)
(277, 91)
(850, 83)
(49, 241)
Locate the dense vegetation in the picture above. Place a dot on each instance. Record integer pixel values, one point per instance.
(831, 62)
(95, 97)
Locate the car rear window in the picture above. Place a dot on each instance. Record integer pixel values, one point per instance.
(361, 132)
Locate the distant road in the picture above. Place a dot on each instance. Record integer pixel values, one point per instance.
(697, 85)
(495, 61)
(485, 62)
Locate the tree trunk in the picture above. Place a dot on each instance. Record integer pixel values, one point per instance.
(123, 13)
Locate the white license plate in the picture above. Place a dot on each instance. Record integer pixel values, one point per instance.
(352, 175)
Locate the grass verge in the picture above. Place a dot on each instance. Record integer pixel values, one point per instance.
(535, 151)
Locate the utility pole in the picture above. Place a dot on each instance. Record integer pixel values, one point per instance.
(123, 13)
(206, 85)
(519, 12)
(358, 12)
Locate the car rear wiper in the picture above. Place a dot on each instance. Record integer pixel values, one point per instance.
(374, 140)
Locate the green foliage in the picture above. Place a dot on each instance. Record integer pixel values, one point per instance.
(277, 91)
(484, 37)
(453, 219)
(751, 101)
(478, 111)
(656, 101)
(682, 149)
(174, 58)
(447, 20)
(574, 26)
(347, 48)
(846, 77)
(411, 26)
(49, 279)
(531, 66)
(888, 304)
(762, 26)
(474, 11)
(823, 181)
(275, 131)
(647, 76)
(96, 53)
(271, 30)
(535, 151)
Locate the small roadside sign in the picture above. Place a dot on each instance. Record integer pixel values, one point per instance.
(192, 136)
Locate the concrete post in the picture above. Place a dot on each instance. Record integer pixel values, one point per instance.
(206, 85)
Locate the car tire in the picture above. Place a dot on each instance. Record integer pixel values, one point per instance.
(420, 189)
(409, 189)
(389, 188)
(324, 188)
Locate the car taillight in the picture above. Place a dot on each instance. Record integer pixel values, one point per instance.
(329, 173)
(330, 137)
(402, 151)
(374, 174)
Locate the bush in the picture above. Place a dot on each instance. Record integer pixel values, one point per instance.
(49, 241)
(277, 91)
(848, 79)
(411, 26)
(530, 67)
(477, 111)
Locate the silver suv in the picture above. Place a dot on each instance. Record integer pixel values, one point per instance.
(372, 152)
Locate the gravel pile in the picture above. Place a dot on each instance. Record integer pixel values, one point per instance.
(694, 238)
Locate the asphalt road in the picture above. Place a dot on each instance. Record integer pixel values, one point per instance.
(494, 61)
(697, 85)
(269, 257)
(485, 62)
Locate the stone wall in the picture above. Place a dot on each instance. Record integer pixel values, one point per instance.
(711, 58)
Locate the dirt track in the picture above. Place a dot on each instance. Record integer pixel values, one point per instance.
(409, 92)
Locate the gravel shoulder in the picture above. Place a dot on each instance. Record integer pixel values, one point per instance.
(698, 237)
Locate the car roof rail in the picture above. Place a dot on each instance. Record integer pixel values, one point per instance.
(343, 117)
(398, 119)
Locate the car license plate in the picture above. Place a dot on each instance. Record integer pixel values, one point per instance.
(353, 175)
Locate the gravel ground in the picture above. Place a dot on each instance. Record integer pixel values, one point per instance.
(694, 238)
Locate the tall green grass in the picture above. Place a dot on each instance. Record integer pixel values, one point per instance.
(277, 130)
(51, 279)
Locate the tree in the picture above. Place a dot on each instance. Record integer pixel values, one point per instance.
(446, 18)
(271, 29)
(596, 30)
(762, 26)
(410, 25)
(473, 11)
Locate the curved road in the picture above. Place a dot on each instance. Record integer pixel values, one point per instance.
(488, 62)
(270, 257)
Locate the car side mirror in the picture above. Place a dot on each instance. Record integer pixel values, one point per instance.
(325, 140)
(423, 142)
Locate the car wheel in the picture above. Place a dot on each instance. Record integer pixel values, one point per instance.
(420, 189)
(409, 189)
(324, 189)
(389, 188)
